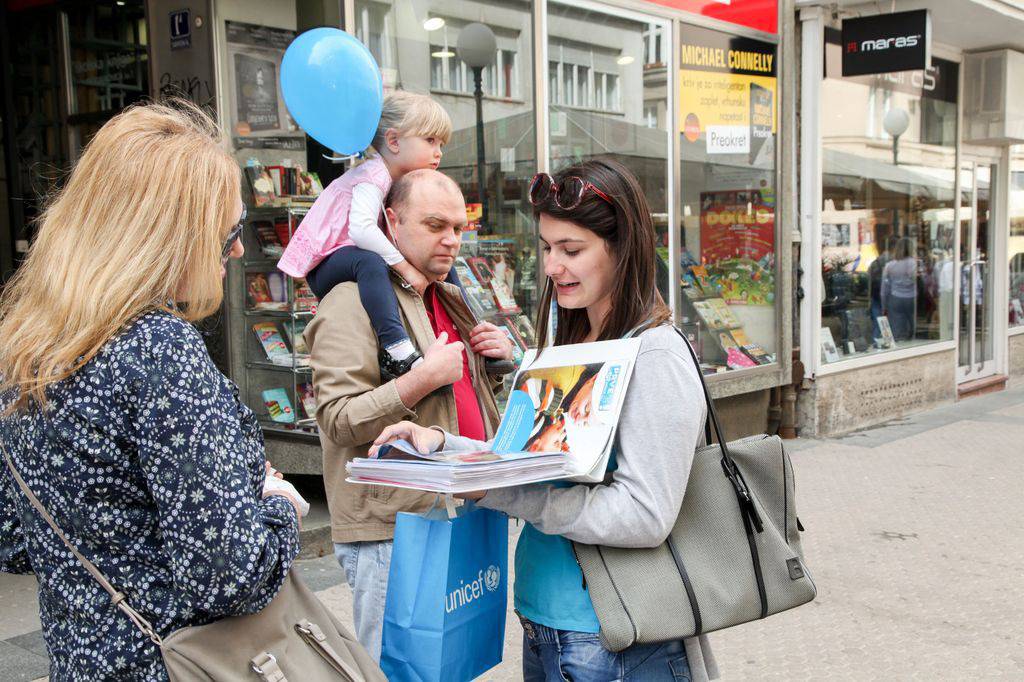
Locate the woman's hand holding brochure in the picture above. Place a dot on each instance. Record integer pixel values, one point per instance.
(559, 422)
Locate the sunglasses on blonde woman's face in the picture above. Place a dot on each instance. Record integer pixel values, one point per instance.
(233, 236)
(566, 196)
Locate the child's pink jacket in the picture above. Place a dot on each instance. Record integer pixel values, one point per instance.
(324, 230)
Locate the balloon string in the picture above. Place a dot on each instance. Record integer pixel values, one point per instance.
(343, 159)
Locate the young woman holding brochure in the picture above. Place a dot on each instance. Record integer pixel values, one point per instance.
(599, 258)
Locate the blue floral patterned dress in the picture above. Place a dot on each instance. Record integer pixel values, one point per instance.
(154, 469)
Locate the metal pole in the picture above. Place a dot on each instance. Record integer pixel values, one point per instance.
(481, 168)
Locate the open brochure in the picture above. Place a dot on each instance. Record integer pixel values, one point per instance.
(559, 422)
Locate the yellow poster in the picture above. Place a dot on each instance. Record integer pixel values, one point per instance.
(724, 99)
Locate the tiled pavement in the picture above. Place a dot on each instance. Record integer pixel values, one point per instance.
(914, 534)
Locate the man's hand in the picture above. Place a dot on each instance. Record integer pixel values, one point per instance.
(422, 438)
(442, 361)
(441, 366)
(489, 341)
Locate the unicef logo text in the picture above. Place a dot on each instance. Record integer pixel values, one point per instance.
(467, 592)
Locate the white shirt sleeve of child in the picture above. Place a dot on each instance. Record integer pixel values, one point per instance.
(363, 230)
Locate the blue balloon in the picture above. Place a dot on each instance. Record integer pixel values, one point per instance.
(333, 89)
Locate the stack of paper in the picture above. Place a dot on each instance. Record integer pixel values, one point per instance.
(559, 422)
(455, 472)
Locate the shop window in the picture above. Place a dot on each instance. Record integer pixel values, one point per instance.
(592, 55)
(728, 115)
(1015, 245)
(887, 222)
(103, 46)
(499, 257)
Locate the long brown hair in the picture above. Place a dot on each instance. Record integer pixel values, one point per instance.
(139, 226)
(626, 227)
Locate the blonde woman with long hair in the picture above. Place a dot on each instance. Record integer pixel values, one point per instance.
(114, 414)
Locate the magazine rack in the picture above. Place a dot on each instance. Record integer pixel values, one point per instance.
(712, 328)
(274, 313)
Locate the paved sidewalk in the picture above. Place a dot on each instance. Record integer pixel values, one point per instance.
(914, 535)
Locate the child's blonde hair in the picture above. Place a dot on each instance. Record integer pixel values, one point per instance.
(412, 114)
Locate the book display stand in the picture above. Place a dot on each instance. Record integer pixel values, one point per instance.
(275, 313)
(722, 344)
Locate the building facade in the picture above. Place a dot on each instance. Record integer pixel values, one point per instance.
(910, 226)
(782, 197)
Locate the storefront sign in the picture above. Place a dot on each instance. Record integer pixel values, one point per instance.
(181, 30)
(263, 37)
(727, 91)
(177, 72)
(762, 15)
(270, 142)
(884, 43)
(938, 81)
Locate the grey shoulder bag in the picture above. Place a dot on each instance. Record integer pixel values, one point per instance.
(733, 555)
(294, 638)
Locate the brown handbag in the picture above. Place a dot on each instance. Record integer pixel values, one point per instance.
(294, 638)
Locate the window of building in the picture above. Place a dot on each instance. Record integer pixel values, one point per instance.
(653, 35)
(651, 115)
(1015, 244)
(581, 83)
(728, 115)
(450, 74)
(888, 230)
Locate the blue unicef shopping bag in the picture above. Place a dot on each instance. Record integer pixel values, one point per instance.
(444, 618)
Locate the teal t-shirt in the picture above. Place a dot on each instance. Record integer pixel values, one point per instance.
(549, 583)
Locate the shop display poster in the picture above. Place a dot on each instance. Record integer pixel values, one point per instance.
(727, 91)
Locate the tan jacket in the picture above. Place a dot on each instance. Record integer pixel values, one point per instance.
(353, 407)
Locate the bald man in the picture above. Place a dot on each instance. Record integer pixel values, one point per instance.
(426, 213)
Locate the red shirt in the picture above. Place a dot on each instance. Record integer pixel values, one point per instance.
(467, 407)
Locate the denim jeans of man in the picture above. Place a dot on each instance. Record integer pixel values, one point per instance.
(551, 655)
(366, 566)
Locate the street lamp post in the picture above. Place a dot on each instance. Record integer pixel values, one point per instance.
(896, 122)
(476, 47)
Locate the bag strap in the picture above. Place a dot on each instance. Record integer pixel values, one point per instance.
(116, 596)
(732, 472)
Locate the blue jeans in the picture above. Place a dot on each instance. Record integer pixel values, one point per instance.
(366, 566)
(551, 655)
(370, 273)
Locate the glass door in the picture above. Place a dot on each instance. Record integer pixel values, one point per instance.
(977, 247)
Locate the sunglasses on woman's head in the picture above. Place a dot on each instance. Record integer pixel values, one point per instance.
(233, 236)
(566, 196)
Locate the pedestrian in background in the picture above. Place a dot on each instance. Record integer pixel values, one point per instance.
(899, 290)
(115, 415)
